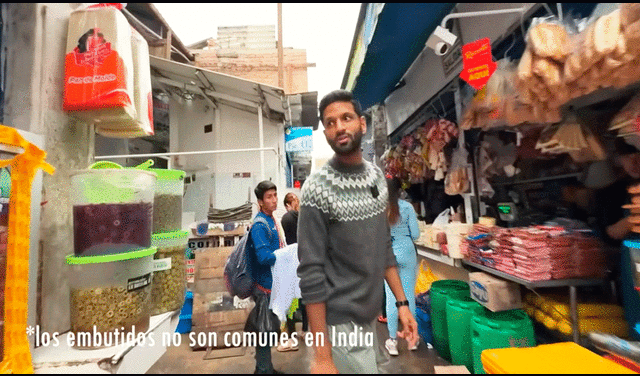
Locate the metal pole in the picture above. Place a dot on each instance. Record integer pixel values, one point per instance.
(280, 49)
(261, 131)
(480, 13)
(261, 150)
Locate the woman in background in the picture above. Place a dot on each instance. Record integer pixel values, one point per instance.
(404, 230)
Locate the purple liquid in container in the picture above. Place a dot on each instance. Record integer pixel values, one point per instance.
(102, 229)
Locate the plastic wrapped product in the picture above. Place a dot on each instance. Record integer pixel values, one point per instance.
(98, 66)
(606, 33)
(142, 124)
(550, 40)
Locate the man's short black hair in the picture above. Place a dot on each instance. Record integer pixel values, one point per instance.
(339, 96)
(263, 187)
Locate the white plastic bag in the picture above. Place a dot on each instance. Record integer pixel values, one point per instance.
(442, 219)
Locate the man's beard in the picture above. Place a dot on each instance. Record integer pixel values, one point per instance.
(350, 147)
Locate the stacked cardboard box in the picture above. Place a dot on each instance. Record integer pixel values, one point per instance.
(214, 310)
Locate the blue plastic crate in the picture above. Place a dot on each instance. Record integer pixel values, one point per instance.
(184, 325)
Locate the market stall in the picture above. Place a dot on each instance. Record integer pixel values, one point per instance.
(533, 150)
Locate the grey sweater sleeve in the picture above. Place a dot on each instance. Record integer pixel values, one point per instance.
(312, 252)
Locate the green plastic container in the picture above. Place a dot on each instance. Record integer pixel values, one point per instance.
(441, 292)
(110, 292)
(167, 200)
(169, 271)
(459, 314)
(498, 330)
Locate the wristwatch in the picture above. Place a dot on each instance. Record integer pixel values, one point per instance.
(402, 303)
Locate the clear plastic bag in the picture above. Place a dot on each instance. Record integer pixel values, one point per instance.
(457, 179)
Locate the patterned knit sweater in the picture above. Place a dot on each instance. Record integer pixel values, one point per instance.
(344, 245)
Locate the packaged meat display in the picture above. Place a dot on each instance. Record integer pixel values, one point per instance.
(538, 253)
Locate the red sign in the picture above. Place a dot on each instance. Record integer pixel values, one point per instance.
(296, 184)
(477, 63)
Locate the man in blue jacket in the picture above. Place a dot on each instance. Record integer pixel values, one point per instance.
(264, 240)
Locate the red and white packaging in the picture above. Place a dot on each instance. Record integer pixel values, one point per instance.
(99, 76)
(142, 124)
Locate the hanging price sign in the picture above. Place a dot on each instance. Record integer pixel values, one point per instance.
(477, 63)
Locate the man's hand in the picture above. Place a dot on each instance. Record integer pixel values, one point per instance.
(322, 365)
(409, 326)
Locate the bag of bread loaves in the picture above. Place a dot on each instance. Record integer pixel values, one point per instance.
(548, 39)
(142, 124)
(98, 82)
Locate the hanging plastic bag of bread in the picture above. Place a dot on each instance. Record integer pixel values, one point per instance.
(99, 78)
(142, 124)
(548, 38)
(457, 179)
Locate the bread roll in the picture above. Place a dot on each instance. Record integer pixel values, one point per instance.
(606, 33)
(572, 68)
(629, 13)
(632, 35)
(550, 40)
(589, 54)
(524, 66)
(549, 71)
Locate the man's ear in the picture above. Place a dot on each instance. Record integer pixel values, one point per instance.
(363, 124)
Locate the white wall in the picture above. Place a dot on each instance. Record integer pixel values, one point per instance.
(237, 129)
(35, 41)
(425, 77)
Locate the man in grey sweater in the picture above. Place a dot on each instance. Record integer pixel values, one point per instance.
(344, 248)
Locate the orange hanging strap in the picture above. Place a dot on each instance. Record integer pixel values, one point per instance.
(17, 353)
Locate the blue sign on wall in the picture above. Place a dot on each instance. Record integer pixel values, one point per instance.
(298, 139)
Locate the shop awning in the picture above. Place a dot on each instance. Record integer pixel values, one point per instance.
(400, 33)
(217, 87)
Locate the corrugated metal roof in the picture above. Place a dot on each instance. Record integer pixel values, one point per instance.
(219, 86)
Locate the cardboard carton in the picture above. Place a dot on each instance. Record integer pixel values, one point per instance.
(494, 293)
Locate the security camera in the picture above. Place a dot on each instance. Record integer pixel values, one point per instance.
(441, 41)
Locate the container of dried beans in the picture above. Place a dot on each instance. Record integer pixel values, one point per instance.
(167, 201)
(169, 273)
(111, 292)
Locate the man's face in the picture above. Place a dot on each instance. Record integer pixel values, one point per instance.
(631, 165)
(269, 202)
(343, 128)
(294, 204)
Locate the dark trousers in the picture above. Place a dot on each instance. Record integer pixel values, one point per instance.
(263, 359)
(291, 323)
(263, 353)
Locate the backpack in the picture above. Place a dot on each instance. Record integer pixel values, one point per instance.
(237, 271)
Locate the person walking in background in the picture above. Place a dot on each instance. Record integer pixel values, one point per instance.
(404, 231)
(290, 227)
(344, 247)
(290, 219)
(265, 240)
